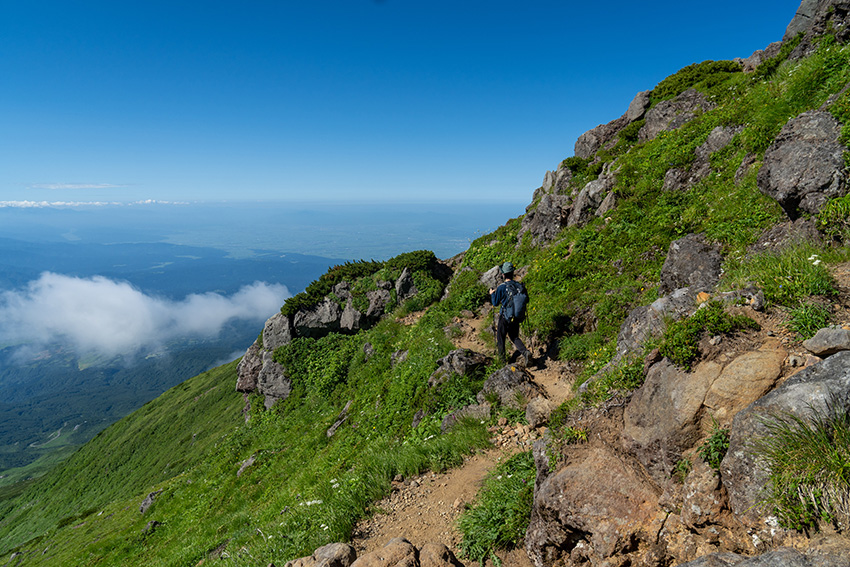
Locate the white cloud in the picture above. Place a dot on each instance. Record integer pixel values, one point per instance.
(46, 204)
(108, 317)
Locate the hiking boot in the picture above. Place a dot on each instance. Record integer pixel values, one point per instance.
(526, 358)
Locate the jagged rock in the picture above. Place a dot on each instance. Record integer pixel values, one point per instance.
(664, 415)
(785, 235)
(368, 350)
(462, 362)
(404, 286)
(649, 320)
(589, 200)
(703, 499)
(691, 262)
(608, 204)
(340, 419)
(742, 474)
(512, 385)
(272, 381)
(594, 501)
(828, 341)
(673, 114)
(248, 369)
(804, 167)
(759, 56)
(378, 300)
(330, 555)
(546, 221)
(342, 290)
(538, 411)
(351, 319)
(475, 411)
(638, 107)
(277, 331)
(816, 17)
(319, 320)
(668, 413)
(783, 557)
(677, 179)
(148, 501)
(590, 142)
(492, 278)
(151, 527)
(245, 464)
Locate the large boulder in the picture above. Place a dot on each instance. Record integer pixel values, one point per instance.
(277, 331)
(590, 199)
(318, 320)
(272, 381)
(743, 475)
(378, 301)
(399, 552)
(513, 386)
(545, 222)
(351, 319)
(460, 362)
(804, 167)
(595, 505)
(590, 142)
(827, 342)
(693, 263)
(404, 286)
(248, 369)
(330, 555)
(673, 114)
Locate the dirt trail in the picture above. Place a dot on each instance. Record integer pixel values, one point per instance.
(426, 508)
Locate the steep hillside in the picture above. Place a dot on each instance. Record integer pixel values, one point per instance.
(675, 265)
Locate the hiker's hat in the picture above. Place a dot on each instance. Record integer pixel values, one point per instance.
(507, 268)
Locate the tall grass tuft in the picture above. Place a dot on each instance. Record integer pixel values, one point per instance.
(809, 466)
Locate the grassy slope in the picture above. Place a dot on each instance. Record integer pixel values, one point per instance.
(305, 489)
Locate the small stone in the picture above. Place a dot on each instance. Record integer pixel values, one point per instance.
(714, 341)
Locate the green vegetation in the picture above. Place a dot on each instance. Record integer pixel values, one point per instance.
(681, 338)
(701, 76)
(807, 318)
(808, 461)
(499, 517)
(714, 448)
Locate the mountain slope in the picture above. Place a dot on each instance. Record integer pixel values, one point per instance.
(592, 251)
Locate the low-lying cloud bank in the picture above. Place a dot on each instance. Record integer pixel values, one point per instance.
(108, 317)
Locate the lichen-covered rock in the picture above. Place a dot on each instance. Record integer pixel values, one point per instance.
(691, 262)
(673, 114)
(743, 475)
(319, 320)
(702, 497)
(248, 369)
(512, 385)
(272, 381)
(351, 319)
(590, 199)
(804, 167)
(460, 362)
(545, 222)
(378, 301)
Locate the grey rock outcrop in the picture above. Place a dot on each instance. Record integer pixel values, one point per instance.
(545, 222)
(460, 362)
(813, 19)
(538, 411)
(592, 140)
(148, 501)
(759, 56)
(590, 199)
(673, 114)
(638, 106)
(743, 475)
(318, 320)
(404, 286)
(512, 385)
(693, 263)
(479, 412)
(378, 301)
(827, 342)
(248, 369)
(804, 167)
(833, 556)
(272, 380)
(277, 331)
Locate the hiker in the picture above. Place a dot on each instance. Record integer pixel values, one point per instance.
(510, 314)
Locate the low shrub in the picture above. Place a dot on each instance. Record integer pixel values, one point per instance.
(714, 448)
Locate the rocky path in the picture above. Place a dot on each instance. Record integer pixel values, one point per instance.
(426, 509)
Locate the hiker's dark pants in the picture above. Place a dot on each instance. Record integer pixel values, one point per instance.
(510, 330)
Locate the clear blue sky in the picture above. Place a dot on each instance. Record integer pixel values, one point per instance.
(332, 99)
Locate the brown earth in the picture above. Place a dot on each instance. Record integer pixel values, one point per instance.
(425, 509)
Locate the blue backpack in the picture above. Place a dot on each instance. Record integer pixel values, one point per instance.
(515, 302)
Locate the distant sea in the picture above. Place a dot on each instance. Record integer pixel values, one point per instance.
(243, 229)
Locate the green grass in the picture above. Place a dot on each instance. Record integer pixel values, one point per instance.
(499, 516)
(808, 461)
(808, 318)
